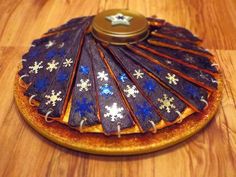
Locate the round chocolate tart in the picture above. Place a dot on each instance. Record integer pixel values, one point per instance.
(118, 83)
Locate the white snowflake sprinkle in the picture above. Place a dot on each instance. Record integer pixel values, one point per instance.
(68, 62)
(168, 62)
(138, 74)
(114, 112)
(49, 44)
(36, 67)
(172, 79)
(53, 98)
(189, 58)
(203, 76)
(180, 34)
(131, 91)
(102, 76)
(178, 43)
(61, 45)
(166, 103)
(84, 85)
(52, 65)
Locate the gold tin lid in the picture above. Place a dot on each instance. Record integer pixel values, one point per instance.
(119, 26)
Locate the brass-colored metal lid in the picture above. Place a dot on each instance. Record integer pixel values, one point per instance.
(120, 26)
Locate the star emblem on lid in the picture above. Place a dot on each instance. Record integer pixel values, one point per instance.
(119, 19)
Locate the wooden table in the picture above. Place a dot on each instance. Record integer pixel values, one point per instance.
(23, 152)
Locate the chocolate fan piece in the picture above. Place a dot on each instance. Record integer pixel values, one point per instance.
(118, 73)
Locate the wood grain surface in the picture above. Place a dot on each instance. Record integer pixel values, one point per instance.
(23, 152)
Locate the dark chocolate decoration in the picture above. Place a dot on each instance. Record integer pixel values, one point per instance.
(152, 89)
(41, 80)
(57, 93)
(113, 110)
(178, 33)
(84, 106)
(191, 92)
(186, 46)
(189, 73)
(73, 23)
(151, 80)
(143, 110)
(201, 62)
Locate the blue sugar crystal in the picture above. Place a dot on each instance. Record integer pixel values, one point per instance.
(41, 84)
(123, 77)
(84, 70)
(149, 85)
(62, 76)
(106, 90)
(84, 106)
(144, 111)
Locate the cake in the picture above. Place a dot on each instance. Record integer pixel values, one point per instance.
(118, 73)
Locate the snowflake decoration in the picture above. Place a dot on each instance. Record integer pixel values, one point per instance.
(83, 106)
(138, 74)
(166, 103)
(53, 98)
(168, 62)
(172, 79)
(52, 65)
(204, 76)
(102, 76)
(49, 44)
(123, 77)
(68, 62)
(119, 19)
(179, 34)
(84, 85)
(149, 85)
(36, 67)
(178, 43)
(61, 45)
(84, 70)
(131, 91)
(114, 112)
(189, 58)
(106, 90)
(144, 111)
